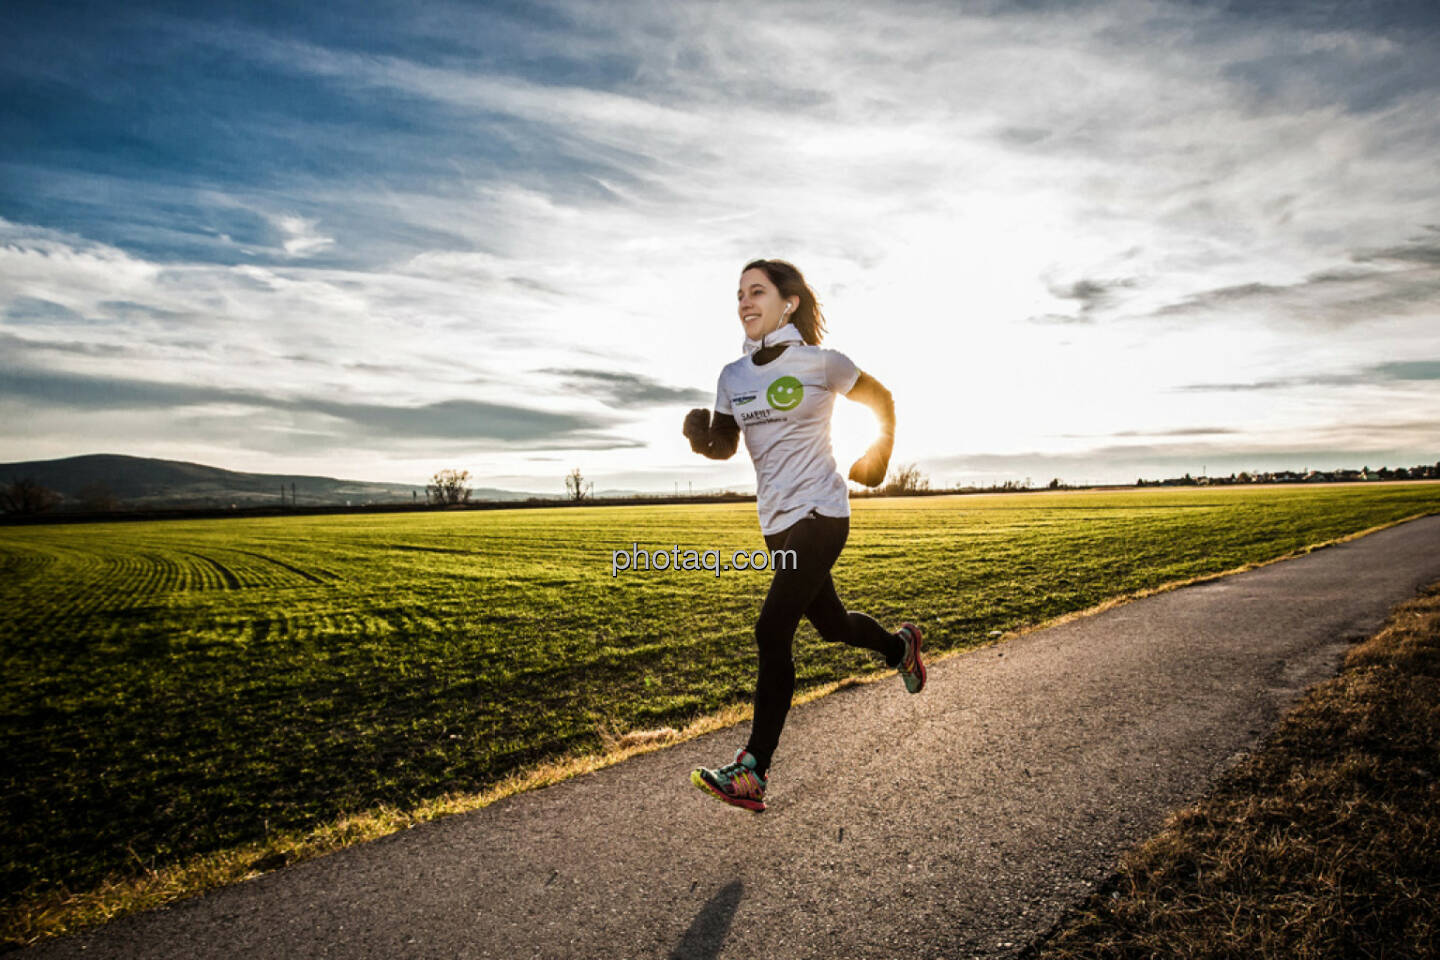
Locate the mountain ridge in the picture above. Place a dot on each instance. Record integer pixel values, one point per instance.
(131, 482)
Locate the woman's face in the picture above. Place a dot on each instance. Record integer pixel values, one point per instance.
(762, 309)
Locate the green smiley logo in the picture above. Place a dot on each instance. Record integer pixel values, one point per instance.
(785, 393)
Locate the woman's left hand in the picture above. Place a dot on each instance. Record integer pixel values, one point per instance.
(870, 469)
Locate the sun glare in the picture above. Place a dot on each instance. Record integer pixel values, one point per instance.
(852, 429)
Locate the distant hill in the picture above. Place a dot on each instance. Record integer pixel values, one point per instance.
(147, 483)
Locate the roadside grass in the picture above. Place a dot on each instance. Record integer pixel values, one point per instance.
(1323, 844)
(188, 703)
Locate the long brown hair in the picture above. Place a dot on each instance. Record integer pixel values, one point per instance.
(791, 283)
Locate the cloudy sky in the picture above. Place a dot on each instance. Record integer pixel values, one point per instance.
(1094, 241)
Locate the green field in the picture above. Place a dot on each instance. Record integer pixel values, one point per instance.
(179, 687)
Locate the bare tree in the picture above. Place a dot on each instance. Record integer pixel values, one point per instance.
(27, 496)
(907, 479)
(575, 485)
(448, 486)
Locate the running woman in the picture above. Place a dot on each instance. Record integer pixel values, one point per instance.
(780, 394)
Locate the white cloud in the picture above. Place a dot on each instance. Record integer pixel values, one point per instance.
(301, 236)
(941, 177)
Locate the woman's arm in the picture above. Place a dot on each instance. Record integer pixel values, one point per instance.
(870, 469)
(717, 438)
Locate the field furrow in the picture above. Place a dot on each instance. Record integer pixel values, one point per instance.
(218, 576)
(304, 575)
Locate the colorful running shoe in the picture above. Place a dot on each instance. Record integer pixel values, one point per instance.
(912, 668)
(735, 783)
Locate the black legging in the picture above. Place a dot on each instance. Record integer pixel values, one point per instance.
(804, 589)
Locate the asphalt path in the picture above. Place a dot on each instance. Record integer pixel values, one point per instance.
(957, 823)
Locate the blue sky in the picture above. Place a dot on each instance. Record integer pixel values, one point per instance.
(1093, 241)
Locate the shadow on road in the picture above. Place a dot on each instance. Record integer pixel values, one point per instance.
(711, 925)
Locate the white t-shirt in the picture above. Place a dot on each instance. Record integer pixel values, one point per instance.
(783, 409)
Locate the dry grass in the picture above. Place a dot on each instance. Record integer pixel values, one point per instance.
(1324, 844)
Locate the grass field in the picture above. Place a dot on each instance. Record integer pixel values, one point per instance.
(181, 687)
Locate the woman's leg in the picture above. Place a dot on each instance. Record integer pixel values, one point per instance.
(837, 625)
(816, 542)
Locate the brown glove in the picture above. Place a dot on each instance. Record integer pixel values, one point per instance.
(697, 429)
(870, 469)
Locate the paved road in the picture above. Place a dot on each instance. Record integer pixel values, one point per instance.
(957, 823)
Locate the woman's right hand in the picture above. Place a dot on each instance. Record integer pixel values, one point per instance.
(697, 426)
(715, 438)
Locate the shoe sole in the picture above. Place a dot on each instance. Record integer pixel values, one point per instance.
(754, 806)
(919, 662)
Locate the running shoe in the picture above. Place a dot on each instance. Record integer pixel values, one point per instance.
(735, 783)
(911, 668)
